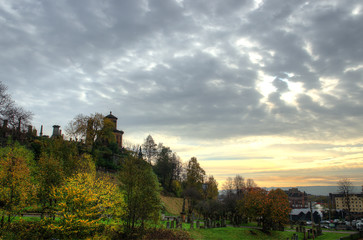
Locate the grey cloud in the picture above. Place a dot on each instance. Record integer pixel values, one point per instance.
(175, 67)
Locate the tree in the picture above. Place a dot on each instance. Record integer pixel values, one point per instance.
(271, 208)
(211, 188)
(92, 128)
(194, 179)
(345, 187)
(85, 200)
(149, 149)
(250, 184)
(17, 189)
(168, 168)
(279, 208)
(195, 174)
(66, 152)
(239, 185)
(255, 206)
(16, 116)
(49, 175)
(141, 189)
(228, 187)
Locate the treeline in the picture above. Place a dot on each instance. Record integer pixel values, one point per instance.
(244, 201)
(89, 185)
(80, 188)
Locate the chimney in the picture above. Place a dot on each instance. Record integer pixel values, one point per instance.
(41, 131)
(56, 131)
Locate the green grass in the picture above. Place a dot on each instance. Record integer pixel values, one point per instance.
(231, 233)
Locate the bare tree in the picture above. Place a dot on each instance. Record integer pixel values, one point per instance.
(345, 187)
(150, 149)
(239, 185)
(250, 184)
(17, 117)
(228, 187)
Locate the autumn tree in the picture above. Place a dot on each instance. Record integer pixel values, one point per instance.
(141, 189)
(254, 205)
(16, 191)
(279, 208)
(86, 199)
(270, 208)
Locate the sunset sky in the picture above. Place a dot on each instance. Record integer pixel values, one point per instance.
(271, 90)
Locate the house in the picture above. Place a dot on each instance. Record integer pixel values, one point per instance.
(297, 199)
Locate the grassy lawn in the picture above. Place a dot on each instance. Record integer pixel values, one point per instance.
(251, 234)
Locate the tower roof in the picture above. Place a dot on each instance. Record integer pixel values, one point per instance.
(111, 116)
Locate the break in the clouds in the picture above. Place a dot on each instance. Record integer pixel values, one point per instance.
(196, 70)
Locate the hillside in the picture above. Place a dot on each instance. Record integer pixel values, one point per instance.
(173, 205)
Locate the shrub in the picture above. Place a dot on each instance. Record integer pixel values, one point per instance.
(162, 233)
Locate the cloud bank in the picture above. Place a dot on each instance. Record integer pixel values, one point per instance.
(197, 70)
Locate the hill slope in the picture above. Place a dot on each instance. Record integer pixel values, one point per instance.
(173, 205)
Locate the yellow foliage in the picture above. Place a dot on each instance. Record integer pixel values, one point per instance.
(85, 198)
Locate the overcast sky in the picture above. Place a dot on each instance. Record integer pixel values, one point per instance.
(271, 90)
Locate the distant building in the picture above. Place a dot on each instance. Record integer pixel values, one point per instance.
(56, 131)
(297, 199)
(118, 133)
(304, 214)
(355, 202)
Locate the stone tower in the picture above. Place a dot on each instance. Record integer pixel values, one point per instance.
(56, 131)
(118, 134)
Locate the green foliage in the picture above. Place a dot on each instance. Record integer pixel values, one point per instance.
(167, 168)
(211, 188)
(16, 186)
(195, 174)
(49, 175)
(50, 229)
(162, 233)
(193, 185)
(141, 189)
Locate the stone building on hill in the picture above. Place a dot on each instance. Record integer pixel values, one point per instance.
(118, 133)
